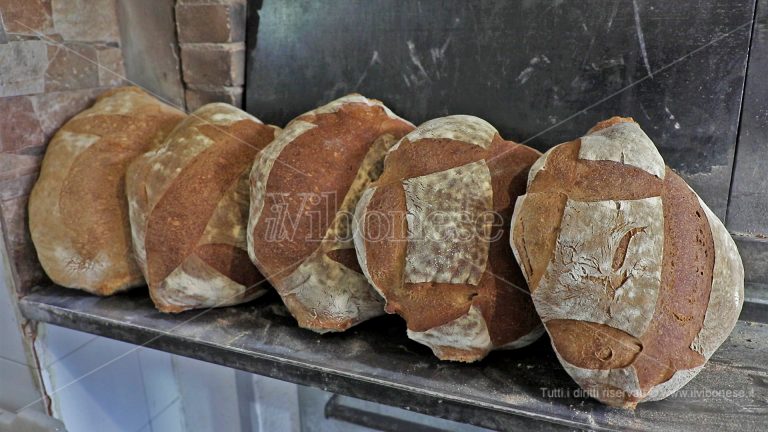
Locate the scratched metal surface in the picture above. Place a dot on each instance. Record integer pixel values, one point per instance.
(748, 207)
(376, 361)
(540, 71)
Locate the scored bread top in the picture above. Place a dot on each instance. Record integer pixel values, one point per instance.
(78, 216)
(303, 190)
(189, 202)
(448, 178)
(624, 262)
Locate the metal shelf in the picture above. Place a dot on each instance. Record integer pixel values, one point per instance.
(375, 361)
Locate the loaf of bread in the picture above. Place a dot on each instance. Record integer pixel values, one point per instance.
(430, 236)
(304, 188)
(189, 208)
(636, 280)
(78, 215)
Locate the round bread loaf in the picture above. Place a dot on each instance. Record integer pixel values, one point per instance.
(430, 236)
(636, 280)
(189, 208)
(78, 215)
(304, 188)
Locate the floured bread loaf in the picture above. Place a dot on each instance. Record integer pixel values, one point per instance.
(78, 215)
(636, 280)
(430, 237)
(189, 208)
(304, 188)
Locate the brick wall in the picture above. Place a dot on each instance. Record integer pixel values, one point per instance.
(56, 56)
(50, 52)
(211, 35)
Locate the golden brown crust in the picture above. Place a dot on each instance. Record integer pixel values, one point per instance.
(303, 191)
(430, 304)
(385, 240)
(462, 355)
(179, 218)
(587, 180)
(427, 306)
(417, 159)
(592, 345)
(610, 122)
(689, 258)
(316, 163)
(230, 260)
(622, 367)
(78, 214)
(189, 206)
(386, 254)
(536, 229)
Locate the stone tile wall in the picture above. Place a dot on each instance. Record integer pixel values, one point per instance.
(56, 56)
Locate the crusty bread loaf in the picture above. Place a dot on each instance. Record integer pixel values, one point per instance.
(78, 215)
(304, 188)
(636, 280)
(189, 207)
(430, 235)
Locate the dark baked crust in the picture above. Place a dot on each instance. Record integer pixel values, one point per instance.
(686, 280)
(189, 208)
(666, 345)
(303, 192)
(78, 213)
(587, 180)
(324, 161)
(178, 219)
(428, 305)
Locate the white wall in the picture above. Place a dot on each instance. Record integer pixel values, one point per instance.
(99, 384)
(18, 388)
